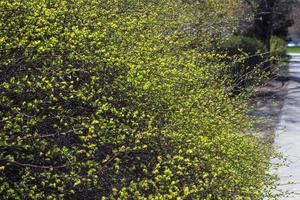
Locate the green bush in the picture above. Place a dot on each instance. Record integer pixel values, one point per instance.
(278, 47)
(104, 100)
(248, 60)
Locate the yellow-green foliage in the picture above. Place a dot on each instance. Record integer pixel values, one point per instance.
(278, 47)
(120, 100)
(247, 57)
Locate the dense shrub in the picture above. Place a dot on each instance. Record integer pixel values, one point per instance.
(248, 58)
(108, 100)
(278, 47)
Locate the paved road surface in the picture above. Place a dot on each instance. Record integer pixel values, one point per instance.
(288, 132)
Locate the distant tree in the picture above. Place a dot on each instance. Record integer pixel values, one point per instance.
(271, 17)
(283, 17)
(294, 31)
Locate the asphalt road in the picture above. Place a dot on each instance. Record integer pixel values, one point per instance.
(288, 132)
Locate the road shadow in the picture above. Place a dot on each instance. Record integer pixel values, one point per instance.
(295, 62)
(284, 79)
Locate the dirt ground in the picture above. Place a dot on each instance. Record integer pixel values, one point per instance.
(268, 101)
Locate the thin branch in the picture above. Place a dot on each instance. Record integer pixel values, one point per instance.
(18, 164)
(63, 133)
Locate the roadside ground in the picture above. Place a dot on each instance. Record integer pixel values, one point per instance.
(267, 101)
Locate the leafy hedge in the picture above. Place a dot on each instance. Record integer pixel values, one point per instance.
(248, 58)
(108, 100)
(278, 47)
